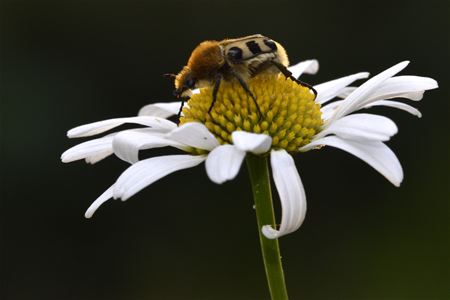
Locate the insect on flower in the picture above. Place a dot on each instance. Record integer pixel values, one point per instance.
(293, 122)
(229, 59)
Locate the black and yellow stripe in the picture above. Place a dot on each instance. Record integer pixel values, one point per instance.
(239, 50)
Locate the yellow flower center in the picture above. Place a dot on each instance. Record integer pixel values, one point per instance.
(289, 114)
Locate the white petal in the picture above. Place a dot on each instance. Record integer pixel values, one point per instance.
(361, 127)
(98, 157)
(308, 66)
(145, 172)
(410, 87)
(108, 194)
(251, 142)
(408, 108)
(93, 148)
(330, 89)
(291, 192)
(127, 144)
(353, 101)
(223, 163)
(329, 109)
(345, 92)
(374, 153)
(195, 135)
(160, 124)
(162, 109)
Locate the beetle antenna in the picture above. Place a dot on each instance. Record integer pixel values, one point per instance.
(170, 76)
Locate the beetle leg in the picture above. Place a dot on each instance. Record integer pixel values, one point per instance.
(217, 80)
(183, 100)
(288, 74)
(247, 90)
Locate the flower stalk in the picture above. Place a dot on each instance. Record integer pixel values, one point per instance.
(262, 194)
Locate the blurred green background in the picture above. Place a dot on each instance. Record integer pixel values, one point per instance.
(66, 63)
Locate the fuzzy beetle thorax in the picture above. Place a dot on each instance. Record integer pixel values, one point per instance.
(204, 62)
(206, 59)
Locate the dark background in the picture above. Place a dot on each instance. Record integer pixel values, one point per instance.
(66, 63)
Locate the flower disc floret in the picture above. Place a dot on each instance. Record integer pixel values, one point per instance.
(289, 113)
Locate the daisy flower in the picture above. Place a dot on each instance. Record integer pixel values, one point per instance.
(293, 120)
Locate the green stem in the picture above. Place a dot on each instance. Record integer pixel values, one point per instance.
(259, 177)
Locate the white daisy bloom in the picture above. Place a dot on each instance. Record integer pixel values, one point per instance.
(292, 121)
